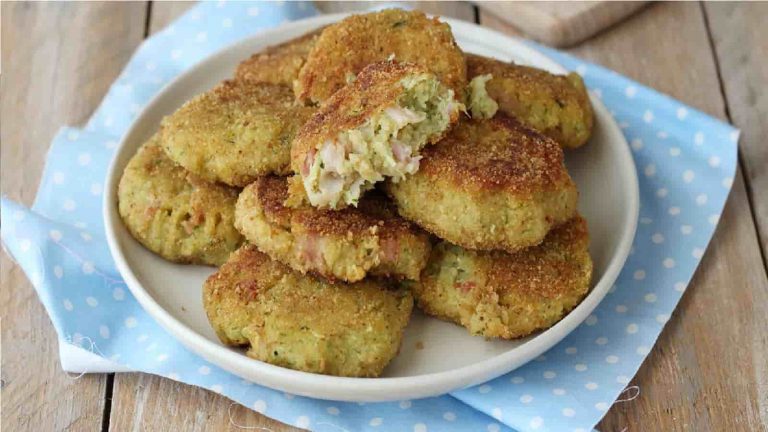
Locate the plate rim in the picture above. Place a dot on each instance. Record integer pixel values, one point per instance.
(384, 388)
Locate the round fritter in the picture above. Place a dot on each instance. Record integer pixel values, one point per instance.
(345, 48)
(556, 105)
(371, 129)
(489, 184)
(279, 64)
(236, 132)
(173, 212)
(303, 323)
(345, 244)
(500, 295)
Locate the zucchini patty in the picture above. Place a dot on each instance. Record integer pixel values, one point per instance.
(489, 184)
(174, 213)
(345, 48)
(279, 64)
(342, 244)
(303, 323)
(501, 295)
(372, 129)
(556, 105)
(236, 132)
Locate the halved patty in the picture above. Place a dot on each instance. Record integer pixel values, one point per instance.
(303, 323)
(489, 184)
(279, 64)
(345, 48)
(236, 132)
(372, 129)
(500, 295)
(556, 105)
(174, 213)
(345, 244)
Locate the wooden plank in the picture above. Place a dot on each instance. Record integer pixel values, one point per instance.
(707, 372)
(51, 78)
(142, 402)
(741, 47)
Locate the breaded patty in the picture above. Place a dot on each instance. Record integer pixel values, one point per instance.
(500, 295)
(236, 132)
(345, 244)
(174, 213)
(369, 130)
(556, 105)
(345, 48)
(489, 184)
(303, 323)
(279, 64)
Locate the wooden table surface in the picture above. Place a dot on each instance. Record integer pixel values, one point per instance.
(709, 369)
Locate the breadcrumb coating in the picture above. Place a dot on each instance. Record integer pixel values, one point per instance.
(299, 322)
(500, 295)
(174, 213)
(345, 48)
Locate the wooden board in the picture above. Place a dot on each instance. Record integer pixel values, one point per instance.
(58, 61)
(559, 23)
(689, 383)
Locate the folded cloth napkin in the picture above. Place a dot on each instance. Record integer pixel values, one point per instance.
(685, 159)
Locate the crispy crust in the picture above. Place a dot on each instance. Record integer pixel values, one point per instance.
(513, 159)
(235, 132)
(303, 323)
(556, 105)
(489, 184)
(279, 64)
(376, 88)
(175, 213)
(349, 243)
(375, 213)
(348, 46)
(496, 294)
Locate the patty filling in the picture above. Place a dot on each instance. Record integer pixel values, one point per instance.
(386, 145)
(481, 105)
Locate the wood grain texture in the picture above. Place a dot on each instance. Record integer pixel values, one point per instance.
(58, 61)
(142, 402)
(741, 46)
(707, 370)
(561, 24)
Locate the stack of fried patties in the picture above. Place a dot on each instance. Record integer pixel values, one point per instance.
(378, 164)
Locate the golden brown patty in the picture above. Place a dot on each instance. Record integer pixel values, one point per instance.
(174, 213)
(489, 184)
(236, 132)
(556, 105)
(389, 106)
(496, 294)
(345, 244)
(348, 46)
(302, 323)
(278, 64)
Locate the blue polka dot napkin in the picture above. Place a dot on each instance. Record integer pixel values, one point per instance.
(685, 159)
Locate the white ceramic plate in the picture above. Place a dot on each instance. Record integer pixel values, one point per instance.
(450, 358)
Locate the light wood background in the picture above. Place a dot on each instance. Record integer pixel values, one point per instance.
(709, 370)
